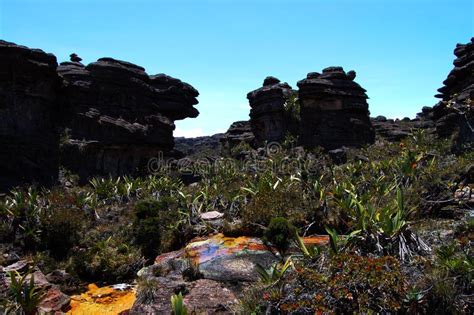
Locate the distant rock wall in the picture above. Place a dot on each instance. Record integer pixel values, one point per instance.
(238, 132)
(454, 115)
(334, 110)
(29, 141)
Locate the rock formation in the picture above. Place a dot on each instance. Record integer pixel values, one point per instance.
(267, 114)
(28, 103)
(199, 146)
(397, 129)
(334, 110)
(117, 117)
(239, 131)
(454, 115)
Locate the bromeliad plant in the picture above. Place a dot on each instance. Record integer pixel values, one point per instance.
(24, 292)
(273, 275)
(22, 211)
(383, 230)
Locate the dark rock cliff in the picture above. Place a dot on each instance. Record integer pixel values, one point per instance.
(29, 141)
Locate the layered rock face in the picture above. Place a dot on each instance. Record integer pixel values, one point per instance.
(395, 130)
(206, 145)
(334, 110)
(239, 131)
(454, 115)
(267, 114)
(28, 103)
(118, 117)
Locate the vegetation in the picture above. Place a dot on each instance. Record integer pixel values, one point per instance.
(177, 305)
(24, 292)
(279, 233)
(383, 257)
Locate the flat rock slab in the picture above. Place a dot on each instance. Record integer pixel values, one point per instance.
(223, 258)
(211, 215)
(202, 296)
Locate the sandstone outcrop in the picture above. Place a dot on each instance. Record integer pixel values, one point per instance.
(454, 115)
(28, 103)
(267, 115)
(395, 130)
(238, 132)
(334, 110)
(117, 117)
(199, 146)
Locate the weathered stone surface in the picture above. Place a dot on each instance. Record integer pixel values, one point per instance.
(221, 258)
(202, 296)
(211, 215)
(199, 146)
(29, 142)
(267, 115)
(165, 287)
(238, 132)
(53, 301)
(118, 117)
(334, 110)
(211, 297)
(454, 115)
(395, 129)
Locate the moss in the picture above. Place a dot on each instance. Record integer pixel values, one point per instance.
(280, 233)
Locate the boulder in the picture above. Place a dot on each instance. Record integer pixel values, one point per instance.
(220, 258)
(334, 110)
(29, 143)
(202, 296)
(117, 117)
(267, 115)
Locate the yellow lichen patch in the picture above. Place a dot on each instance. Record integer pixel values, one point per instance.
(102, 301)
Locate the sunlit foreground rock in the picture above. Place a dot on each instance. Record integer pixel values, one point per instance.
(223, 258)
(103, 301)
(212, 272)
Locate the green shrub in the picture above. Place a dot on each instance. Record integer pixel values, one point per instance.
(61, 230)
(159, 226)
(148, 226)
(280, 233)
(109, 260)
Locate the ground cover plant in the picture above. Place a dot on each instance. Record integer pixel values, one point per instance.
(379, 259)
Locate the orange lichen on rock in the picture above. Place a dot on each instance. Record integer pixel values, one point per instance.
(102, 301)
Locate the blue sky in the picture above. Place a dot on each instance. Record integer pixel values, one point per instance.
(401, 50)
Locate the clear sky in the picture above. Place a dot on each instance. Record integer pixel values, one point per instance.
(401, 50)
